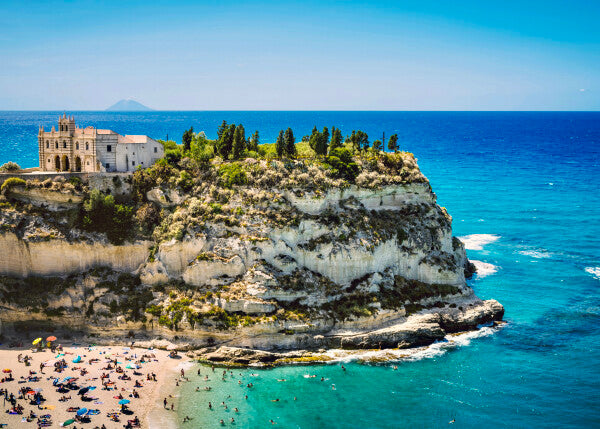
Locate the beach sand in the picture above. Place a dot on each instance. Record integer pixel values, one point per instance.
(148, 407)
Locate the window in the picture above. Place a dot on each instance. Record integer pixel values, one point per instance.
(77, 145)
(107, 165)
(132, 162)
(47, 144)
(56, 144)
(109, 148)
(134, 153)
(88, 163)
(64, 144)
(155, 149)
(48, 159)
(87, 146)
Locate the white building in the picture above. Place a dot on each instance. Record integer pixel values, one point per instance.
(91, 150)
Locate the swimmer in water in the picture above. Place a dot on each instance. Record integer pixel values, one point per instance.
(197, 388)
(451, 421)
(275, 400)
(395, 367)
(209, 406)
(222, 422)
(333, 387)
(282, 379)
(236, 410)
(272, 422)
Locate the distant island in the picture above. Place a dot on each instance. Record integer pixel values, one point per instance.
(128, 105)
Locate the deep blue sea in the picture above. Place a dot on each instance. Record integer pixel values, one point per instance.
(525, 187)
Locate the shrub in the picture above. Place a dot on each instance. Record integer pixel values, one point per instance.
(342, 164)
(101, 214)
(10, 167)
(232, 174)
(148, 217)
(11, 183)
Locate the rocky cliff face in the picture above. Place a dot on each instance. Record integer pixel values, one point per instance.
(287, 259)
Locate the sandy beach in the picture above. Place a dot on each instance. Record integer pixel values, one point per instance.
(144, 377)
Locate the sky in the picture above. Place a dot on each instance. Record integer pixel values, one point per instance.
(301, 55)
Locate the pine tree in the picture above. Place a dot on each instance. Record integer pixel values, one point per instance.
(280, 145)
(226, 142)
(362, 140)
(254, 142)
(336, 139)
(393, 143)
(289, 143)
(221, 129)
(314, 136)
(186, 139)
(239, 142)
(377, 145)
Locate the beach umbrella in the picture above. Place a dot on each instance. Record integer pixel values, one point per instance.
(83, 391)
(124, 401)
(77, 359)
(91, 387)
(37, 340)
(51, 338)
(82, 411)
(68, 422)
(7, 370)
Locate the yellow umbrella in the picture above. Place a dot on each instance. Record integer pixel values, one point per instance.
(37, 340)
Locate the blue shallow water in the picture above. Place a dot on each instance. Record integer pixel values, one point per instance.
(530, 178)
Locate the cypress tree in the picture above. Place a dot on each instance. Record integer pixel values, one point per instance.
(186, 139)
(221, 129)
(226, 141)
(239, 142)
(254, 142)
(336, 139)
(279, 145)
(289, 143)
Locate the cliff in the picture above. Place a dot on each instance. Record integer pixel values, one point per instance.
(262, 254)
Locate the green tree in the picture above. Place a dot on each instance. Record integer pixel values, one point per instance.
(393, 143)
(101, 214)
(377, 145)
(289, 143)
(188, 135)
(362, 140)
(222, 128)
(239, 142)
(254, 142)
(336, 139)
(224, 145)
(280, 145)
(313, 138)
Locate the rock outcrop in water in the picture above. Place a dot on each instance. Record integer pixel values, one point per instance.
(255, 254)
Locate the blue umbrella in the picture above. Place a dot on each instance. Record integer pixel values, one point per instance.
(124, 401)
(82, 411)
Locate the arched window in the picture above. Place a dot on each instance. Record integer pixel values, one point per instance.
(47, 144)
(87, 146)
(77, 145)
(64, 144)
(56, 144)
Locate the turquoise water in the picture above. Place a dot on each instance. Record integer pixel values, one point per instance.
(529, 179)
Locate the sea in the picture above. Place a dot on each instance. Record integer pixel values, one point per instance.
(523, 189)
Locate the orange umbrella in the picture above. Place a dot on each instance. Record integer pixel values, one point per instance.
(51, 338)
(6, 370)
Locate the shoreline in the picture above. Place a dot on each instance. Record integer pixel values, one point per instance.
(137, 363)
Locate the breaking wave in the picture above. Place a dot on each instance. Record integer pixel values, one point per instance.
(594, 271)
(484, 269)
(477, 241)
(451, 341)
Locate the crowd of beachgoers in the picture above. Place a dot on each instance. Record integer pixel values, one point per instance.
(46, 384)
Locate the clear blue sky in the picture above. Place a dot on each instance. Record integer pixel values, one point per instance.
(301, 55)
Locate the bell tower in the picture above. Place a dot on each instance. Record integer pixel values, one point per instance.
(66, 125)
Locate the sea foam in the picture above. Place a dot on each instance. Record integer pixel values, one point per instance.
(484, 269)
(536, 254)
(477, 241)
(451, 341)
(594, 271)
